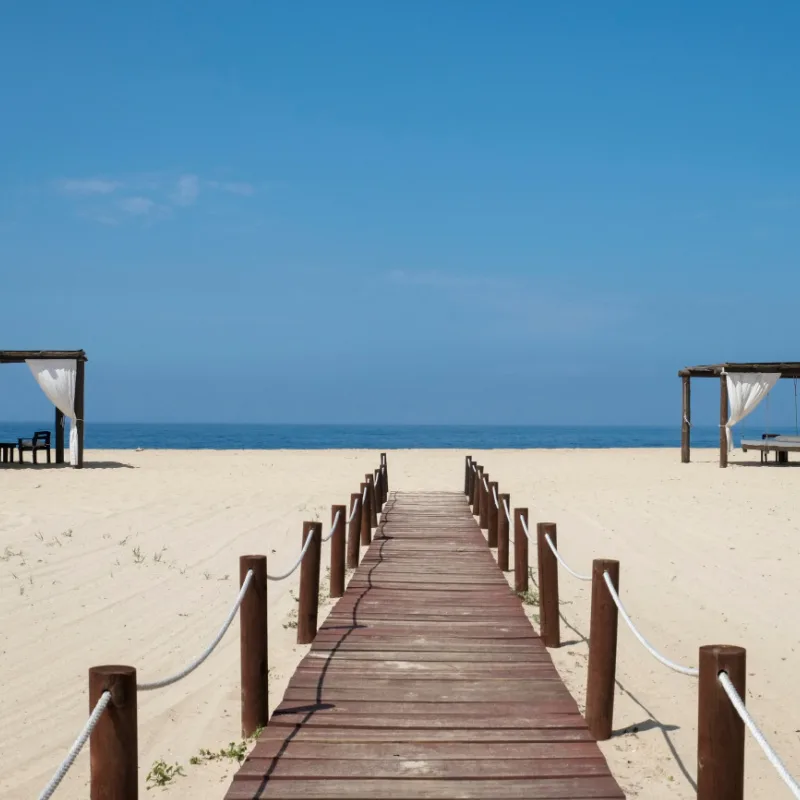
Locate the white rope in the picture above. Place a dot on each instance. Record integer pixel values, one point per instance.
(494, 492)
(508, 513)
(647, 646)
(474, 468)
(353, 512)
(193, 665)
(77, 746)
(333, 527)
(485, 485)
(564, 563)
(771, 755)
(524, 526)
(377, 478)
(295, 565)
(364, 498)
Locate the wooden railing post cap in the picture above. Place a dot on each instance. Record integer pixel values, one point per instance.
(722, 650)
(114, 678)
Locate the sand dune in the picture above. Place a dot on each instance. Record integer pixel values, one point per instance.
(138, 564)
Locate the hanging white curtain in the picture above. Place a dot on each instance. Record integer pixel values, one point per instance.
(56, 377)
(745, 391)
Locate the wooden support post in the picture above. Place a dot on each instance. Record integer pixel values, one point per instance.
(723, 418)
(520, 551)
(385, 464)
(59, 436)
(492, 512)
(378, 491)
(354, 532)
(549, 621)
(720, 730)
(366, 517)
(686, 422)
(502, 532)
(80, 370)
(483, 507)
(113, 746)
(337, 550)
(373, 503)
(472, 484)
(467, 471)
(384, 494)
(309, 585)
(602, 651)
(253, 645)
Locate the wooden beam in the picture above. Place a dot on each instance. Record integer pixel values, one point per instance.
(723, 418)
(79, 406)
(19, 356)
(59, 436)
(686, 426)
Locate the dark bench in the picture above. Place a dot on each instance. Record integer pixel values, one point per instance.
(40, 441)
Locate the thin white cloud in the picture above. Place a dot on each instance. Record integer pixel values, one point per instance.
(234, 187)
(87, 186)
(137, 206)
(187, 190)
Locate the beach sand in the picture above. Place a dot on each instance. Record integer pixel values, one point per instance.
(135, 561)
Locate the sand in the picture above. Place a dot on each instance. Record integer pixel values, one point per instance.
(135, 561)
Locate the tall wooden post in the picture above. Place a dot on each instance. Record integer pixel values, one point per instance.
(476, 491)
(366, 516)
(472, 484)
(483, 508)
(549, 621)
(80, 369)
(723, 418)
(308, 606)
(686, 422)
(502, 532)
(492, 512)
(113, 746)
(520, 551)
(385, 464)
(373, 501)
(59, 436)
(253, 645)
(720, 730)
(602, 651)
(354, 532)
(337, 550)
(467, 470)
(384, 486)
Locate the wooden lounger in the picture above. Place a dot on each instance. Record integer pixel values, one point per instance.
(780, 445)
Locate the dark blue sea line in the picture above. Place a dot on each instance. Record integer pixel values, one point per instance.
(120, 436)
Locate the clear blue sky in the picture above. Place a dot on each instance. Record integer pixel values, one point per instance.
(477, 212)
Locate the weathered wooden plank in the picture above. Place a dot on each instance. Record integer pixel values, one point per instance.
(369, 735)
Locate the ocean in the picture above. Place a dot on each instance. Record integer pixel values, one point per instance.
(213, 436)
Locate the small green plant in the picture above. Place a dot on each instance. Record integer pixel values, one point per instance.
(162, 773)
(159, 555)
(123, 542)
(207, 575)
(529, 597)
(235, 751)
(138, 558)
(67, 533)
(39, 535)
(292, 621)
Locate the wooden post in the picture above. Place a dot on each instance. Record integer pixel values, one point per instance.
(373, 503)
(549, 621)
(113, 746)
(59, 436)
(337, 550)
(472, 478)
(467, 471)
(502, 532)
(686, 426)
(80, 369)
(602, 651)
(520, 551)
(492, 512)
(384, 491)
(354, 532)
(720, 730)
(366, 517)
(309, 585)
(378, 492)
(723, 418)
(385, 464)
(253, 645)
(483, 507)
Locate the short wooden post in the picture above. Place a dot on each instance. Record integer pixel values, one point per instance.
(723, 419)
(549, 621)
(602, 651)
(385, 464)
(492, 513)
(309, 584)
(502, 532)
(366, 516)
(373, 503)
(337, 550)
(471, 493)
(476, 493)
(686, 422)
(384, 490)
(378, 491)
(520, 551)
(467, 470)
(253, 645)
(483, 508)
(59, 436)
(113, 746)
(720, 730)
(354, 532)
(79, 407)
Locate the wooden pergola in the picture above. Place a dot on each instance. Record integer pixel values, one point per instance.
(787, 369)
(79, 356)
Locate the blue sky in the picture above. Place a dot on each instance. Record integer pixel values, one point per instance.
(408, 211)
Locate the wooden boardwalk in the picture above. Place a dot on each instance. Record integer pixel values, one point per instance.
(426, 680)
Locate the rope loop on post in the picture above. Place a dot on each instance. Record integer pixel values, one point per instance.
(564, 563)
(333, 527)
(353, 512)
(494, 492)
(508, 512)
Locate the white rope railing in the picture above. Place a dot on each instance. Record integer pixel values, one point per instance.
(564, 563)
(485, 485)
(193, 665)
(77, 746)
(333, 527)
(508, 512)
(772, 756)
(364, 497)
(353, 512)
(494, 492)
(524, 526)
(693, 671)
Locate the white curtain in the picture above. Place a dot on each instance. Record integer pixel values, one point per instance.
(745, 391)
(56, 377)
